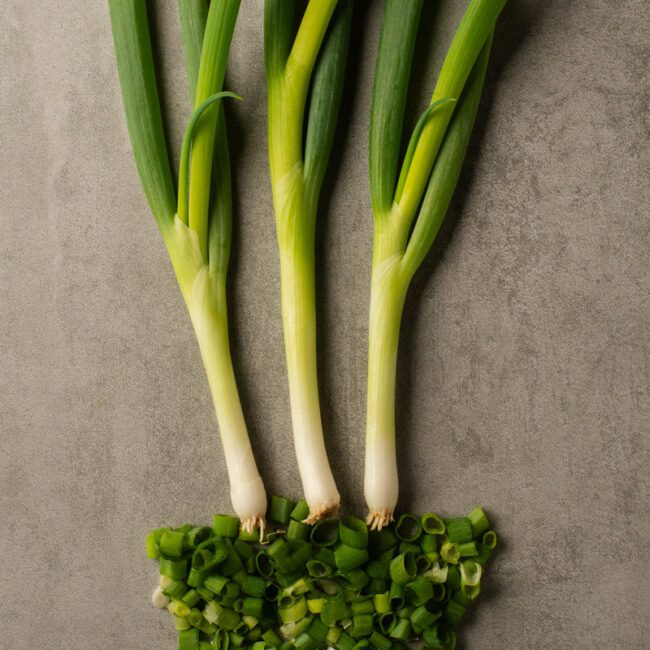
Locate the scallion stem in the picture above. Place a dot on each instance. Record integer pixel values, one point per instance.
(441, 137)
(198, 241)
(297, 170)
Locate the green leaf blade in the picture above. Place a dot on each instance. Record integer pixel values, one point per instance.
(142, 106)
(222, 16)
(194, 16)
(392, 73)
(472, 33)
(447, 168)
(325, 99)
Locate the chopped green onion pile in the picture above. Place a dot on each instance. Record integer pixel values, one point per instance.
(332, 584)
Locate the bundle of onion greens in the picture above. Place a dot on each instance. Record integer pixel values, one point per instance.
(308, 580)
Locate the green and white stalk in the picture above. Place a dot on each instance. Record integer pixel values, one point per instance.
(305, 73)
(409, 207)
(197, 230)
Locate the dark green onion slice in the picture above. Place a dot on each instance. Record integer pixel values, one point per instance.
(380, 541)
(429, 544)
(433, 524)
(243, 549)
(478, 521)
(387, 622)
(436, 637)
(174, 569)
(409, 547)
(439, 592)
(453, 577)
(375, 586)
(305, 642)
(459, 530)
(348, 557)
(396, 593)
(171, 543)
(271, 639)
(450, 552)
(423, 563)
(280, 510)
(254, 586)
(318, 569)
(425, 616)
(453, 612)
(345, 642)
(376, 569)
(490, 539)
(197, 535)
(362, 607)
(381, 602)
(402, 629)
(318, 630)
(419, 591)
(263, 564)
(361, 625)
(153, 547)
(379, 641)
(175, 589)
(205, 594)
(231, 565)
(293, 612)
(468, 549)
(226, 526)
(216, 584)
(300, 511)
(253, 607)
(297, 531)
(403, 568)
(325, 532)
(357, 578)
(408, 527)
(191, 598)
(353, 532)
(271, 592)
(334, 610)
(188, 639)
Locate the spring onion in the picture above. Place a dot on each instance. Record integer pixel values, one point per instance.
(409, 207)
(305, 81)
(196, 228)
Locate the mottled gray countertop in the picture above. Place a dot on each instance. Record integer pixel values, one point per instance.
(523, 369)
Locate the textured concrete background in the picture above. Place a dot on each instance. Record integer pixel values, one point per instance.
(524, 359)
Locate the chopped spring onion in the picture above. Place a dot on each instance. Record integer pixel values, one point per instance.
(409, 206)
(357, 593)
(305, 82)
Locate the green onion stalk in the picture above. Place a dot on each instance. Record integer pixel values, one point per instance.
(409, 206)
(304, 75)
(197, 227)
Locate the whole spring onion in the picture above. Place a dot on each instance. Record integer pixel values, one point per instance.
(196, 228)
(304, 79)
(409, 202)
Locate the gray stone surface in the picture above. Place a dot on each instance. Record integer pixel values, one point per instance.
(524, 358)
